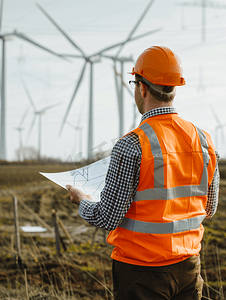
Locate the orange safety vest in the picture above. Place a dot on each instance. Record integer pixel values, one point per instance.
(164, 222)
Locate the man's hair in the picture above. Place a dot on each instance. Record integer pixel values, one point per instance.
(167, 94)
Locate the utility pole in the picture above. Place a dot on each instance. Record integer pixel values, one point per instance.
(203, 4)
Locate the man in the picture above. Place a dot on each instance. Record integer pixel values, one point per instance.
(162, 181)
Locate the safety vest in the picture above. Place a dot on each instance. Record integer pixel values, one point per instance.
(164, 222)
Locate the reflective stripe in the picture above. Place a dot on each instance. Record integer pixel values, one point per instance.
(206, 159)
(157, 153)
(162, 228)
(158, 192)
(171, 193)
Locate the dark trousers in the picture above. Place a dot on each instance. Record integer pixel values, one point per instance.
(180, 281)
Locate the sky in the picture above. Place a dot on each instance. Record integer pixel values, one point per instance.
(94, 25)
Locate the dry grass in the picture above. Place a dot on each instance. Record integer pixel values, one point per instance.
(82, 272)
(15, 175)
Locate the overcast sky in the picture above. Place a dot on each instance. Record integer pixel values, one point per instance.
(93, 25)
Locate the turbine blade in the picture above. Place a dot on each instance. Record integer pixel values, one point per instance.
(49, 107)
(70, 124)
(130, 40)
(1, 9)
(28, 95)
(145, 34)
(59, 28)
(79, 120)
(72, 55)
(23, 37)
(116, 84)
(114, 58)
(3, 35)
(136, 25)
(23, 117)
(30, 129)
(72, 98)
(80, 116)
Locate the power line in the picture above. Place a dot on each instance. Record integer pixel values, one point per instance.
(203, 4)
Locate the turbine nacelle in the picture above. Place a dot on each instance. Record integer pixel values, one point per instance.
(94, 59)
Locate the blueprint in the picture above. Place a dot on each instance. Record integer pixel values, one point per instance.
(90, 179)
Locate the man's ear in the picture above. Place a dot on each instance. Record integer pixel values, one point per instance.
(143, 89)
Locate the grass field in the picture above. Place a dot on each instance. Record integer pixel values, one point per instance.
(82, 271)
(14, 175)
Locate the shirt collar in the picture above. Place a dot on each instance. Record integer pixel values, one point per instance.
(158, 111)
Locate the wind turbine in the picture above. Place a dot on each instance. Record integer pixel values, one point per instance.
(79, 130)
(38, 113)
(20, 129)
(21, 57)
(5, 37)
(220, 127)
(91, 59)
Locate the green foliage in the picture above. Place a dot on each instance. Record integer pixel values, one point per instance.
(90, 269)
(83, 248)
(4, 221)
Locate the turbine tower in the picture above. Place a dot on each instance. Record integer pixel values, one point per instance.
(20, 129)
(3, 105)
(220, 127)
(4, 37)
(131, 94)
(79, 130)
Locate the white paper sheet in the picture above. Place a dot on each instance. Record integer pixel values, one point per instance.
(90, 179)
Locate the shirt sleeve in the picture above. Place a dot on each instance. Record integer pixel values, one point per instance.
(213, 192)
(120, 186)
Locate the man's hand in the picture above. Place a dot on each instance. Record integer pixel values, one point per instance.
(77, 195)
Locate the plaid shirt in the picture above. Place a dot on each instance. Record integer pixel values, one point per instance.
(122, 180)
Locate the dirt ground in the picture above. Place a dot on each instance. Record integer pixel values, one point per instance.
(77, 267)
(76, 263)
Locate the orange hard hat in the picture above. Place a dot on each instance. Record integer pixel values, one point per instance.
(160, 66)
